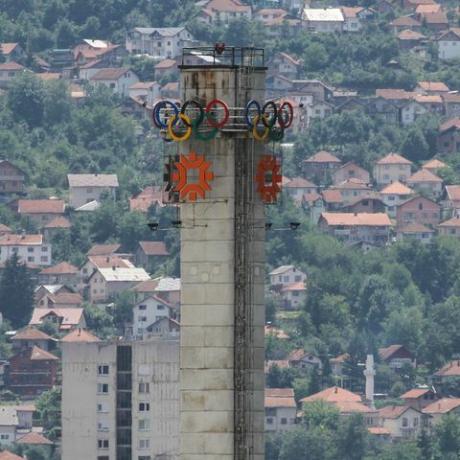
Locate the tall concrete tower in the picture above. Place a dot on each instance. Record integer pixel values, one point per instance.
(222, 269)
(369, 373)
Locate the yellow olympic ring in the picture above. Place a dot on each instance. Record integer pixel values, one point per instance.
(255, 132)
(188, 124)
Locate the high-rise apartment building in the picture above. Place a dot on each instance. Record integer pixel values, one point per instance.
(120, 399)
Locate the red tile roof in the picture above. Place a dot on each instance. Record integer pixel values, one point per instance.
(227, 5)
(12, 66)
(396, 188)
(31, 333)
(150, 196)
(146, 286)
(70, 316)
(423, 175)
(451, 223)
(378, 430)
(66, 298)
(166, 64)
(352, 183)
(109, 261)
(41, 206)
(332, 196)
(388, 352)
(453, 192)
(58, 222)
(299, 182)
(415, 227)
(63, 268)
(322, 157)
(428, 99)
(279, 397)
(405, 21)
(352, 407)
(5, 229)
(361, 219)
(449, 124)
(34, 438)
(103, 249)
(7, 48)
(436, 18)
(110, 73)
(37, 354)
(433, 86)
(394, 159)
(7, 455)
(395, 94)
(154, 248)
(410, 35)
(20, 240)
(300, 286)
(333, 394)
(351, 11)
(428, 8)
(442, 406)
(452, 368)
(279, 392)
(434, 164)
(80, 335)
(415, 393)
(393, 412)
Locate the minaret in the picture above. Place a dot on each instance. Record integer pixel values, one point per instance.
(369, 373)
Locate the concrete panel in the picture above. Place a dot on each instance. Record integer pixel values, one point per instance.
(206, 379)
(208, 315)
(208, 422)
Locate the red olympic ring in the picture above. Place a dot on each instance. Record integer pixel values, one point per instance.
(211, 121)
(281, 120)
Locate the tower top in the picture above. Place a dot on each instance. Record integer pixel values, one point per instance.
(222, 56)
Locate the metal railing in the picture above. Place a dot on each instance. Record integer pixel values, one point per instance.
(223, 56)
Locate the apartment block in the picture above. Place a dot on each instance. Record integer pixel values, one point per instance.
(120, 400)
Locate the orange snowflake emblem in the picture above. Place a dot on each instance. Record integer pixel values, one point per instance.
(186, 188)
(268, 178)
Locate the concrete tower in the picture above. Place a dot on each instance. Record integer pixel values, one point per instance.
(222, 271)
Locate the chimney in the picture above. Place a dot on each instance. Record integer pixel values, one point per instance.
(113, 267)
(369, 373)
(336, 390)
(108, 259)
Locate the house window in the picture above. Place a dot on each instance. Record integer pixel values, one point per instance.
(4, 437)
(420, 206)
(44, 258)
(30, 259)
(269, 421)
(297, 279)
(284, 421)
(295, 294)
(144, 424)
(144, 387)
(112, 85)
(103, 370)
(415, 422)
(103, 443)
(102, 388)
(144, 443)
(144, 457)
(160, 307)
(30, 249)
(144, 407)
(405, 422)
(142, 307)
(103, 457)
(286, 279)
(142, 319)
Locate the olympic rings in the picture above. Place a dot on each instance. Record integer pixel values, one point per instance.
(196, 122)
(211, 120)
(267, 120)
(282, 120)
(188, 123)
(251, 103)
(163, 105)
(255, 132)
(206, 135)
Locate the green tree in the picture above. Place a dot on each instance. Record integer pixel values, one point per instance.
(48, 407)
(26, 98)
(322, 415)
(415, 147)
(352, 438)
(447, 434)
(16, 292)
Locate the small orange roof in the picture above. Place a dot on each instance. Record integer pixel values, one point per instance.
(451, 223)
(415, 393)
(58, 222)
(279, 392)
(7, 455)
(20, 240)
(299, 182)
(109, 261)
(434, 164)
(332, 196)
(428, 99)
(434, 85)
(5, 229)
(80, 335)
(408, 34)
(41, 206)
(38, 354)
(393, 412)
(103, 249)
(348, 407)
(428, 8)
(154, 248)
(452, 123)
(415, 227)
(405, 21)
(394, 159)
(279, 402)
(451, 369)
(333, 394)
(166, 64)
(6, 48)
(299, 286)
(453, 192)
(423, 175)
(146, 286)
(12, 66)
(31, 333)
(363, 219)
(396, 188)
(442, 406)
(379, 431)
(34, 438)
(340, 359)
(322, 157)
(63, 268)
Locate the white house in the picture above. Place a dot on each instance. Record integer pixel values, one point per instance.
(410, 111)
(158, 42)
(351, 18)
(293, 295)
(30, 249)
(84, 188)
(8, 424)
(224, 11)
(280, 409)
(148, 311)
(391, 168)
(393, 195)
(401, 421)
(449, 44)
(119, 79)
(286, 275)
(8, 71)
(325, 20)
(106, 283)
(147, 92)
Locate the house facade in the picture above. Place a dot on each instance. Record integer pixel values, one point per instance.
(158, 42)
(30, 249)
(397, 356)
(147, 312)
(11, 178)
(117, 79)
(348, 171)
(325, 20)
(449, 44)
(392, 168)
(320, 167)
(41, 212)
(448, 140)
(84, 188)
(280, 409)
(286, 275)
(418, 210)
(402, 421)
